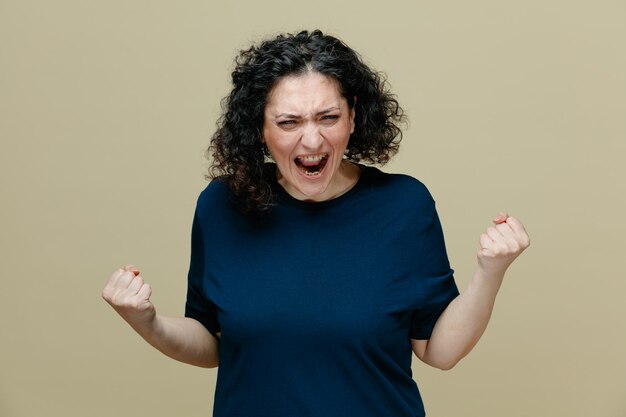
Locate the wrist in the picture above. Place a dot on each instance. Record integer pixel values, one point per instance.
(146, 325)
(490, 274)
(487, 280)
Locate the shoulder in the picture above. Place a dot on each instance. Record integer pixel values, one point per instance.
(216, 193)
(400, 197)
(400, 187)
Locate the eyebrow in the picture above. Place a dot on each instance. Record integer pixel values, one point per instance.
(296, 116)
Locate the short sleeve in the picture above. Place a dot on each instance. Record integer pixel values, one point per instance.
(437, 279)
(198, 306)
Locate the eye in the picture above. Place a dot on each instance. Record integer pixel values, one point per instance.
(330, 117)
(287, 124)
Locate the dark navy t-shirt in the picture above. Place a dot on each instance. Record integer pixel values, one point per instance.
(317, 303)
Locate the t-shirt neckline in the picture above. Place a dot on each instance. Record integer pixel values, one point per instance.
(285, 197)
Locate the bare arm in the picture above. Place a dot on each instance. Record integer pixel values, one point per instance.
(461, 325)
(181, 338)
(184, 339)
(464, 321)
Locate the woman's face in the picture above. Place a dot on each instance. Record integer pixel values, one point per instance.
(306, 127)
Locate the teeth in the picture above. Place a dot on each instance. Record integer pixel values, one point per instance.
(307, 162)
(311, 158)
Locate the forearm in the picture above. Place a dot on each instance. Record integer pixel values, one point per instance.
(182, 338)
(463, 322)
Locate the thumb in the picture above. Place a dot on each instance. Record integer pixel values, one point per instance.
(132, 269)
(500, 217)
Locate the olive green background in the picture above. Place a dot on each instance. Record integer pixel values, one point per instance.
(106, 109)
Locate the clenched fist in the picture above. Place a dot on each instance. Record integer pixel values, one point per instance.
(501, 244)
(129, 295)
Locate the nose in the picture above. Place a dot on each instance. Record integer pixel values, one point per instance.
(311, 138)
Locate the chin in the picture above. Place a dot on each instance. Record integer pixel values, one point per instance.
(311, 191)
(312, 186)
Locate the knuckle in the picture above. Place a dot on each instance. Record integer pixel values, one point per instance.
(499, 250)
(116, 299)
(119, 299)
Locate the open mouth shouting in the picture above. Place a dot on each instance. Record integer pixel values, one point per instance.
(311, 165)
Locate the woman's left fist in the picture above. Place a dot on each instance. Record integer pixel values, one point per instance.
(501, 244)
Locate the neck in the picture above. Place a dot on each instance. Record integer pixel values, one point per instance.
(346, 177)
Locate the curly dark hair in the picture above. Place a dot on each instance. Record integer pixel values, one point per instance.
(238, 153)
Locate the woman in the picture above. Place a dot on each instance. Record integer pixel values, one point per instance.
(323, 274)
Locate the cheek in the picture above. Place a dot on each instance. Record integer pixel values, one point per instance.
(279, 145)
(341, 135)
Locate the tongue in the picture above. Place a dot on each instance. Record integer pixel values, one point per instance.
(310, 163)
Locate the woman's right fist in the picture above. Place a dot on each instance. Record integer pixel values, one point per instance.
(126, 292)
